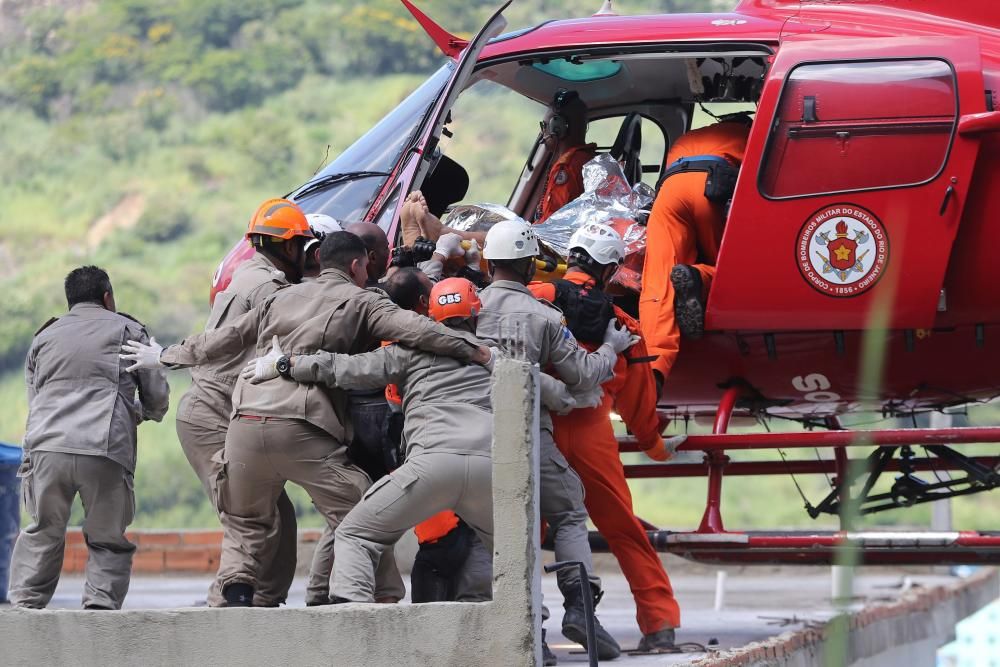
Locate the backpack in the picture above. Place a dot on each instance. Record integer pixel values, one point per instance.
(587, 310)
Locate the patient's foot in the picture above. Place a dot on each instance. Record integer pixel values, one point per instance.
(409, 218)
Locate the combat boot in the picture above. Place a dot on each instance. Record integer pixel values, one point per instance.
(661, 641)
(574, 625)
(689, 309)
(238, 595)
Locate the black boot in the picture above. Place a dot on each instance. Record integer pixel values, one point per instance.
(548, 657)
(574, 625)
(238, 595)
(661, 641)
(689, 310)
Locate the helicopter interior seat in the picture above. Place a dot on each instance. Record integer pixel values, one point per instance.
(627, 147)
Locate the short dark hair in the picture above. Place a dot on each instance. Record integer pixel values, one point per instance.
(87, 284)
(520, 265)
(405, 287)
(339, 249)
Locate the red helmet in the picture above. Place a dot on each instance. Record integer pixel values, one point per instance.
(454, 297)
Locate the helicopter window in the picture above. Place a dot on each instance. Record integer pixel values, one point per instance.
(506, 124)
(860, 125)
(568, 70)
(377, 151)
(652, 150)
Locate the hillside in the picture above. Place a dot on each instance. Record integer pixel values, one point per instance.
(140, 135)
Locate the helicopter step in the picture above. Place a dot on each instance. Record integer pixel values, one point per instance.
(825, 547)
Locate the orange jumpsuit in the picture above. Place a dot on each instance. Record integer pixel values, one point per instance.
(684, 228)
(565, 180)
(587, 440)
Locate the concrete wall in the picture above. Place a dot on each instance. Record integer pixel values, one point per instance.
(505, 631)
(903, 633)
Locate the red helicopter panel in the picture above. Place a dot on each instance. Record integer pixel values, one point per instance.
(853, 187)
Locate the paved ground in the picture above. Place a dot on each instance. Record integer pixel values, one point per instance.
(751, 597)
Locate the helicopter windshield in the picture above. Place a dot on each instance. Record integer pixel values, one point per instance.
(378, 150)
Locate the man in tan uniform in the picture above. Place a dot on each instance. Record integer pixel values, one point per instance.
(81, 439)
(521, 325)
(284, 431)
(448, 435)
(409, 289)
(278, 232)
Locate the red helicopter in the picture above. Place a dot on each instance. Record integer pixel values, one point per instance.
(856, 269)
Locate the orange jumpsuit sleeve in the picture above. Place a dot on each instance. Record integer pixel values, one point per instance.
(544, 291)
(436, 527)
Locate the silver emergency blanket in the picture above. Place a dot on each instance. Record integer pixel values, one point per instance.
(607, 199)
(478, 217)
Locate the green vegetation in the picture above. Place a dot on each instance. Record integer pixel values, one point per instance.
(141, 134)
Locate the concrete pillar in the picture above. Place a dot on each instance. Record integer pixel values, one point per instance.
(517, 586)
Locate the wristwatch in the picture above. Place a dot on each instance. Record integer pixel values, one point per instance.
(284, 366)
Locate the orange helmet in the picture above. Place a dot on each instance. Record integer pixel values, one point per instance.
(281, 219)
(454, 297)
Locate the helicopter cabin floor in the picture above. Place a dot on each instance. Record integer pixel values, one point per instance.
(760, 604)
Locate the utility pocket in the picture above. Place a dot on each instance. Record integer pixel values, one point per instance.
(218, 482)
(27, 475)
(389, 490)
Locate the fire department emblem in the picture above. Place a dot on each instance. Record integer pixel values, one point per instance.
(842, 250)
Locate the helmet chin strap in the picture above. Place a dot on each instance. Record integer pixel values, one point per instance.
(586, 264)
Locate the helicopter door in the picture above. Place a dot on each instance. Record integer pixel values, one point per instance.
(422, 153)
(853, 186)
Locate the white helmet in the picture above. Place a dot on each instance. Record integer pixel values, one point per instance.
(323, 224)
(602, 243)
(510, 239)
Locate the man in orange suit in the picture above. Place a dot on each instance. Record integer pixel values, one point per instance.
(565, 134)
(587, 439)
(684, 233)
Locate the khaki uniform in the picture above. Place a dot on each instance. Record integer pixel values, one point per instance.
(448, 433)
(527, 328)
(81, 438)
(203, 418)
(283, 430)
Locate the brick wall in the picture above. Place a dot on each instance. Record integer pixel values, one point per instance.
(167, 551)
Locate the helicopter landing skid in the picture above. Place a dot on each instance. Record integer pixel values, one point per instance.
(711, 542)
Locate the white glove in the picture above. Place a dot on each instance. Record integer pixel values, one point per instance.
(555, 395)
(263, 368)
(145, 357)
(449, 245)
(619, 339)
(670, 444)
(473, 256)
(589, 399)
